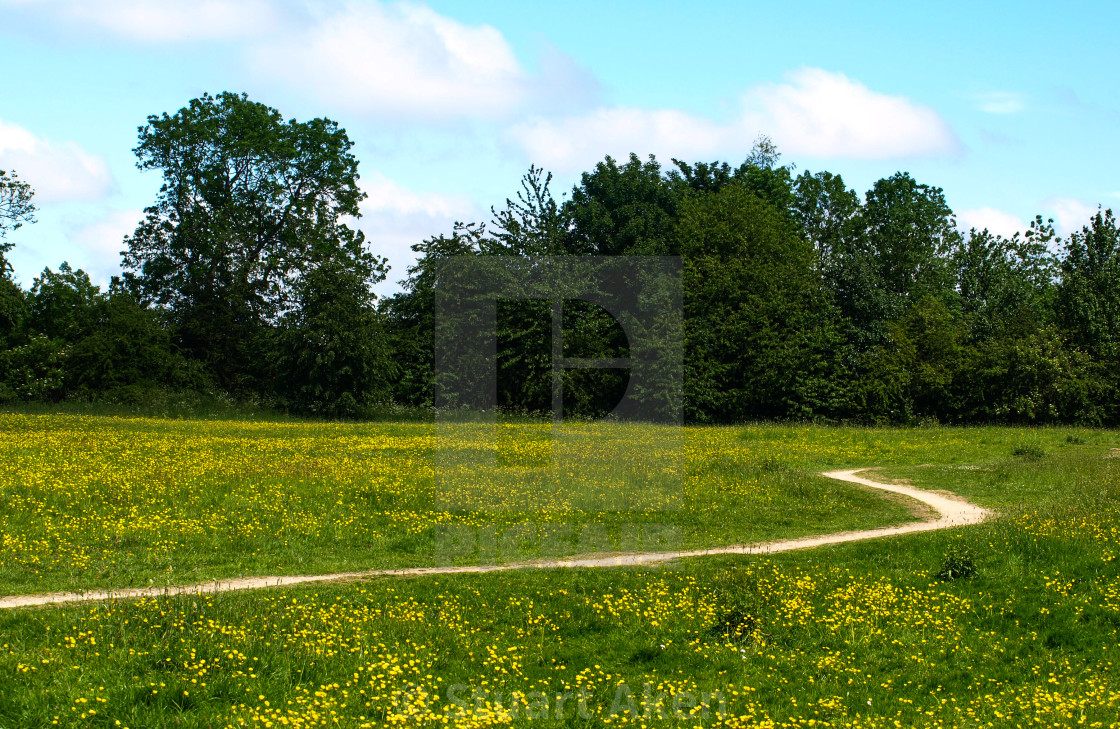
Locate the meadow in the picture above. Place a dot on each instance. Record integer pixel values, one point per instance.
(94, 502)
(1008, 623)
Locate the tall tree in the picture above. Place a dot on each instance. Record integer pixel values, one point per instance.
(828, 213)
(1089, 293)
(899, 256)
(249, 203)
(532, 225)
(757, 335)
(16, 209)
(624, 209)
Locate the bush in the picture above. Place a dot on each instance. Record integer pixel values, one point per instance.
(957, 563)
(1032, 452)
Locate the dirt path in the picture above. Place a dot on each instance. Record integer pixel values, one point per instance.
(953, 511)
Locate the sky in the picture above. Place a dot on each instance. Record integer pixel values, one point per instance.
(1011, 108)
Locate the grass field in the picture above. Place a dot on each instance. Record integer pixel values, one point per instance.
(116, 502)
(1012, 622)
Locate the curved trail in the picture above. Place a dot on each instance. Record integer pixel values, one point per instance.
(953, 511)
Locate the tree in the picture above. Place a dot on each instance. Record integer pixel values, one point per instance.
(249, 204)
(828, 213)
(333, 359)
(532, 225)
(758, 340)
(82, 343)
(623, 210)
(410, 315)
(910, 230)
(1089, 293)
(63, 303)
(898, 256)
(759, 173)
(15, 210)
(1006, 285)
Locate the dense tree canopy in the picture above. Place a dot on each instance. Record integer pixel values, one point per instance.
(249, 204)
(802, 298)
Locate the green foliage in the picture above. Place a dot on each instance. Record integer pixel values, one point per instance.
(801, 300)
(1089, 293)
(16, 209)
(958, 563)
(532, 225)
(755, 320)
(624, 210)
(1006, 285)
(64, 304)
(248, 203)
(332, 354)
(896, 255)
(33, 371)
(410, 316)
(13, 312)
(911, 375)
(828, 213)
(82, 343)
(1033, 378)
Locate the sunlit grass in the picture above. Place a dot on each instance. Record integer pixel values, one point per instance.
(856, 635)
(89, 501)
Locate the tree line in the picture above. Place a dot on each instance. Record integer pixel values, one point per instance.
(802, 299)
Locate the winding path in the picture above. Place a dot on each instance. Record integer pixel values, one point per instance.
(952, 510)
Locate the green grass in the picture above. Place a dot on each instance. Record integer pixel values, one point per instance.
(94, 502)
(862, 634)
(858, 635)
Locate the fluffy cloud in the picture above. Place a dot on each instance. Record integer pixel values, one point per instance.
(102, 241)
(996, 221)
(406, 60)
(158, 21)
(999, 102)
(816, 113)
(1071, 214)
(395, 217)
(576, 142)
(59, 171)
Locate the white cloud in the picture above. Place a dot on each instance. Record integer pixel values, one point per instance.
(1072, 214)
(406, 60)
(816, 113)
(104, 239)
(999, 102)
(395, 217)
(996, 221)
(58, 171)
(102, 242)
(386, 59)
(159, 21)
(386, 195)
(574, 143)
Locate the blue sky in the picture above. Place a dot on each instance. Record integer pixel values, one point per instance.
(1012, 108)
